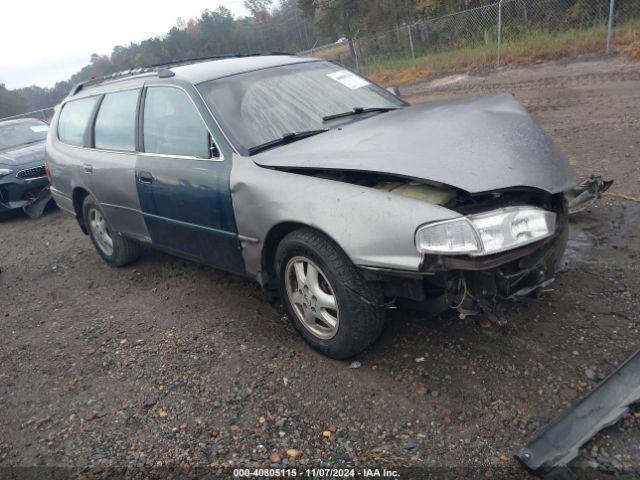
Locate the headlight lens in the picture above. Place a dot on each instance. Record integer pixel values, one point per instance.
(450, 237)
(5, 171)
(487, 233)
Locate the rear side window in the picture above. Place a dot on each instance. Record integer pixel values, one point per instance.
(74, 119)
(172, 126)
(115, 123)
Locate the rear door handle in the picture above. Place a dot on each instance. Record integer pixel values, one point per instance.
(88, 168)
(145, 177)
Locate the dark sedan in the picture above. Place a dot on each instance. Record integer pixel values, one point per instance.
(22, 170)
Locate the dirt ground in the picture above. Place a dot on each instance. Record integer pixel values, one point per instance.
(168, 363)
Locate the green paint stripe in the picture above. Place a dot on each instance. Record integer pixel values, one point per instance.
(191, 225)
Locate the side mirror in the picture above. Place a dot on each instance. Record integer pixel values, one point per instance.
(394, 91)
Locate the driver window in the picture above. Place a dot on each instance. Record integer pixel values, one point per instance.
(172, 126)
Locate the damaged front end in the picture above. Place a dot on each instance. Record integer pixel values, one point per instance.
(479, 284)
(37, 203)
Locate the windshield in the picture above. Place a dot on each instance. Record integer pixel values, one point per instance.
(264, 105)
(17, 134)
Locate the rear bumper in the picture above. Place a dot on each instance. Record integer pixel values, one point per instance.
(16, 193)
(63, 201)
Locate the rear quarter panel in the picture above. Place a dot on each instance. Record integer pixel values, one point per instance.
(65, 163)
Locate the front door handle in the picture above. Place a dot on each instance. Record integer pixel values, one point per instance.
(145, 177)
(88, 168)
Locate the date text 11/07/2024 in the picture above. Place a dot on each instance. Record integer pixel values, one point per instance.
(315, 473)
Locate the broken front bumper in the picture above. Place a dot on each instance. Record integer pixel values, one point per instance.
(35, 208)
(16, 193)
(475, 284)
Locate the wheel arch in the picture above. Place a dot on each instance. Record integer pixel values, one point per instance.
(273, 238)
(78, 195)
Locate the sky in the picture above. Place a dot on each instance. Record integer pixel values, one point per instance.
(44, 41)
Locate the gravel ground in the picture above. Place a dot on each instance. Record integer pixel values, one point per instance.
(167, 363)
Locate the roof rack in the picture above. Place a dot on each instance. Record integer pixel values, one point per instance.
(161, 72)
(163, 69)
(224, 56)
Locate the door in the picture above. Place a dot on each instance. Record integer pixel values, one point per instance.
(183, 183)
(110, 163)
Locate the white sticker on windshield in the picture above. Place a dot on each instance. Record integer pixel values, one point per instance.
(39, 128)
(348, 79)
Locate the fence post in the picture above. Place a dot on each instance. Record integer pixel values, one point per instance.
(413, 53)
(612, 7)
(499, 31)
(355, 52)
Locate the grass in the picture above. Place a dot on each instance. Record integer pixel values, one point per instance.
(535, 47)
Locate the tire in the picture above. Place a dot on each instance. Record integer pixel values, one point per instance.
(360, 316)
(123, 251)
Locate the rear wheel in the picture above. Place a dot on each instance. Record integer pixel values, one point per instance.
(335, 310)
(116, 250)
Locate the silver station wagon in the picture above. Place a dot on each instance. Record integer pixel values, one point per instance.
(333, 193)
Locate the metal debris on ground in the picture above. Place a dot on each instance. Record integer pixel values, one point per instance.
(587, 193)
(549, 453)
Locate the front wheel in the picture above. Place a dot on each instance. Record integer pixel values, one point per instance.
(116, 250)
(335, 310)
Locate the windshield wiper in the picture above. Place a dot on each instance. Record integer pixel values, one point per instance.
(358, 111)
(284, 139)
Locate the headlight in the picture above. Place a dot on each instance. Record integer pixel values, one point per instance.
(487, 233)
(5, 171)
(449, 237)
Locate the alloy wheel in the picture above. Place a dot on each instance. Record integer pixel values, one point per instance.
(312, 297)
(100, 232)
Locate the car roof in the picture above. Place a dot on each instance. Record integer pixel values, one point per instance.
(193, 71)
(213, 69)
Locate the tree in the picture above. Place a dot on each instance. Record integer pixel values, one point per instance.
(286, 25)
(337, 17)
(11, 103)
(340, 17)
(259, 8)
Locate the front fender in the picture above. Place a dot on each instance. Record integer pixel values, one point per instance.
(373, 227)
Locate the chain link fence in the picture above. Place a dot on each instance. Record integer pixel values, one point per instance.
(500, 33)
(625, 27)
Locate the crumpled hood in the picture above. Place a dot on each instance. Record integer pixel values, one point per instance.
(23, 155)
(479, 144)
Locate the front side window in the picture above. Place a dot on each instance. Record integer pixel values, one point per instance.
(74, 119)
(115, 123)
(23, 132)
(172, 126)
(264, 105)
